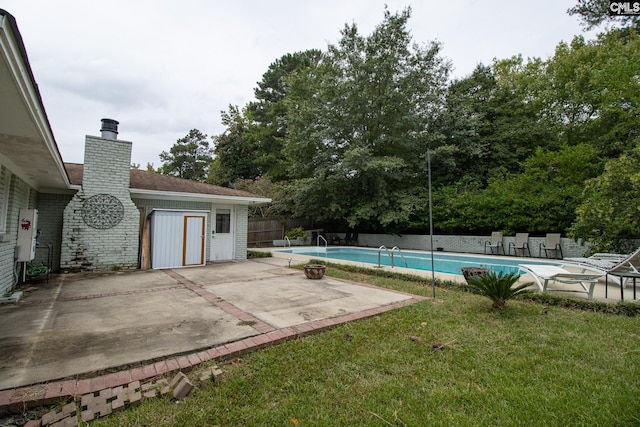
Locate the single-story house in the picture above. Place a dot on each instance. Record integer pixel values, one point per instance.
(101, 214)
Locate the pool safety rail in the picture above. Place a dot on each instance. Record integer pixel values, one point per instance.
(318, 241)
(390, 255)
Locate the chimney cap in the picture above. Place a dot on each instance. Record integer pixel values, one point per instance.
(109, 128)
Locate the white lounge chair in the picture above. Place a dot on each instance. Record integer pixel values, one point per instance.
(600, 259)
(544, 273)
(619, 270)
(609, 257)
(495, 245)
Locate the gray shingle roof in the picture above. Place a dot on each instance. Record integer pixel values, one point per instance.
(144, 180)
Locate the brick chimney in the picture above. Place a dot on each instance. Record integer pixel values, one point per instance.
(101, 223)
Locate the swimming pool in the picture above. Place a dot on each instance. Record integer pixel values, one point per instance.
(443, 262)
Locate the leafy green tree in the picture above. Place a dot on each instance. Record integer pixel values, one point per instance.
(268, 114)
(278, 192)
(252, 144)
(359, 125)
(188, 158)
(490, 123)
(594, 13)
(590, 92)
(610, 214)
(235, 154)
(543, 198)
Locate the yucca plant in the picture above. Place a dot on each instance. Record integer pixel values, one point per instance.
(498, 287)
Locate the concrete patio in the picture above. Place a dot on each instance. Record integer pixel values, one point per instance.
(80, 333)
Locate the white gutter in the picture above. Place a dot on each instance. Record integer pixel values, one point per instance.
(171, 195)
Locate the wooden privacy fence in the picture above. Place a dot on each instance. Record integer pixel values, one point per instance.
(263, 231)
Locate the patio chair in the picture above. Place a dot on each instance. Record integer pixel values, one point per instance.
(620, 271)
(521, 243)
(600, 259)
(495, 244)
(353, 241)
(629, 268)
(551, 245)
(544, 273)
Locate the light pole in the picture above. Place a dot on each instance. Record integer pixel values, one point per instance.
(433, 274)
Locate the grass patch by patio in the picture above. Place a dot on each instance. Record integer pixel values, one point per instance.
(449, 361)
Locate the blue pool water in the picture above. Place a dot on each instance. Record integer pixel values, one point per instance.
(443, 262)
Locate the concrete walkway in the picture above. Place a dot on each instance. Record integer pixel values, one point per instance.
(81, 333)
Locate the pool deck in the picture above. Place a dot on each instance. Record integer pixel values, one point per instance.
(599, 294)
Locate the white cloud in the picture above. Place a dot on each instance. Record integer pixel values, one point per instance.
(162, 68)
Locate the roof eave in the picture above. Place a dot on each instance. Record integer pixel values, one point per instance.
(15, 53)
(172, 195)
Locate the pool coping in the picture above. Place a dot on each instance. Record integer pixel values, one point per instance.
(457, 278)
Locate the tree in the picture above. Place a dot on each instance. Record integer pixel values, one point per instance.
(610, 213)
(251, 146)
(268, 115)
(188, 158)
(543, 198)
(278, 192)
(593, 13)
(490, 123)
(235, 154)
(359, 124)
(590, 93)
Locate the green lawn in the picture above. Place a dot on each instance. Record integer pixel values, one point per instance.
(449, 361)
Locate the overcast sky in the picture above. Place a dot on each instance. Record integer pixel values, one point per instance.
(163, 67)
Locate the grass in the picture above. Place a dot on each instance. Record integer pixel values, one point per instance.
(449, 361)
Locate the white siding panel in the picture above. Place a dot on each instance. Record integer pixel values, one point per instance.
(166, 239)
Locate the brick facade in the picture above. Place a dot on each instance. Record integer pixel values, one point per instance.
(50, 215)
(106, 172)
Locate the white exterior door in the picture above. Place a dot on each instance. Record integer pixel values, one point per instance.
(222, 234)
(193, 249)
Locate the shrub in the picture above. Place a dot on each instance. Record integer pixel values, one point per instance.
(296, 232)
(498, 287)
(258, 254)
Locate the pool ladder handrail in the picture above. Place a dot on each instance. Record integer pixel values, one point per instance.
(390, 255)
(318, 241)
(380, 251)
(401, 256)
(287, 240)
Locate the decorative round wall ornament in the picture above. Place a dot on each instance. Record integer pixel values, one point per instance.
(102, 211)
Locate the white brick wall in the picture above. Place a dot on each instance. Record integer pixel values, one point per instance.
(106, 171)
(50, 213)
(465, 244)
